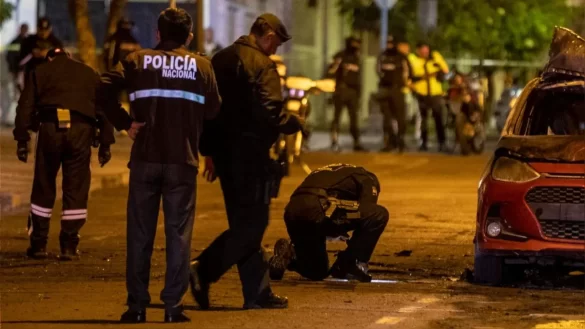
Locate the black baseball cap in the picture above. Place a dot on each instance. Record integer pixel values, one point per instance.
(275, 24)
(43, 23)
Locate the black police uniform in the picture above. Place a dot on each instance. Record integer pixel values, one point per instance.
(50, 87)
(347, 94)
(35, 43)
(393, 69)
(119, 45)
(250, 120)
(308, 226)
(172, 91)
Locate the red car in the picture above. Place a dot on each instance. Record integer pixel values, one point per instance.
(531, 207)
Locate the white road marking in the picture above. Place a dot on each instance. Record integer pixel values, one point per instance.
(409, 309)
(572, 324)
(389, 320)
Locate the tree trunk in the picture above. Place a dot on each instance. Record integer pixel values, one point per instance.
(85, 38)
(116, 13)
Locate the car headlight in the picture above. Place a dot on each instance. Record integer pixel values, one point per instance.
(511, 170)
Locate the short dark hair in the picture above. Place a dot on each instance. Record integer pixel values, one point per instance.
(174, 24)
(421, 44)
(260, 27)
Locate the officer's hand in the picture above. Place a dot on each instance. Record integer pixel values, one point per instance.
(104, 154)
(209, 171)
(22, 151)
(134, 129)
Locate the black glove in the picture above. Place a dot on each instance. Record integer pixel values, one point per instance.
(104, 154)
(22, 151)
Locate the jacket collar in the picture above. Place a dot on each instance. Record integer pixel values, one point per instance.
(169, 45)
(245, 40)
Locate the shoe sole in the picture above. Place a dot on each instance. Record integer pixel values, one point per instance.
(279, 262)
(195, 285)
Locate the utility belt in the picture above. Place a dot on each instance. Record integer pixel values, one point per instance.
(338, 210)
(63, 118)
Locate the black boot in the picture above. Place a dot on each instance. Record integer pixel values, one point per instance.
(133, 317)
(283, 255)
(358, 147)
(350, 269)
(38, 228)
(269, 300)
(68, 243)
(176, 315)
(199, 289)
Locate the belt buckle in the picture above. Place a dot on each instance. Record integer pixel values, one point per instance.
(64, 118)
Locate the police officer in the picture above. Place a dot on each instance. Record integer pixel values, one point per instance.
(34, 48)
(346, 68)
(330, 202)
(250, 120)
(120, 44)
(63, 105)
(171, 92)
(428, 68)
(393, 70)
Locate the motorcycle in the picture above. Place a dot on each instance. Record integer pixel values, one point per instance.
(470, 129)
(297, 89)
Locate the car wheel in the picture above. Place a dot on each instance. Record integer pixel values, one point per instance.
(488, 270)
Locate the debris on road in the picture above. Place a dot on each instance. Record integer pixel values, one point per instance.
(403, 253)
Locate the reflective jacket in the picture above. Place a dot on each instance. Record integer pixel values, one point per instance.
(171, 90)
(424, 74)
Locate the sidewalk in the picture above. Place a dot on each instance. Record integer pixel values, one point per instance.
(16, 177)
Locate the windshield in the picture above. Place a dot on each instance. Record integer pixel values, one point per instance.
(557, 109)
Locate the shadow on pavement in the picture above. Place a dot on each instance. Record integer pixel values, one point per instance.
(195, 308)
(88, 321)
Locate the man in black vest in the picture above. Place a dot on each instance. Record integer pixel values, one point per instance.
(394, 71)
(330, 202)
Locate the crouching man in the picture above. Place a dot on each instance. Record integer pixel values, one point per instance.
(331, 202)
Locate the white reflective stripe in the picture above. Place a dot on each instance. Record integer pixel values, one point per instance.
(41, 209)
(74, 217)
(40, 213)
(74, 212)
(166, 93)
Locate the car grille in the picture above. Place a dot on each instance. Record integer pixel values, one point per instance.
(547, 194)
(563, 229)
(547, 197)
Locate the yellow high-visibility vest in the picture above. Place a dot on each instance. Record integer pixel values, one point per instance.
(421, 86)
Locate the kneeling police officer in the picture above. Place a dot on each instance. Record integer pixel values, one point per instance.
(329, 203)
(60, 107)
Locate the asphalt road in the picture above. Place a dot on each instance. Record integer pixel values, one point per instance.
(432, 202)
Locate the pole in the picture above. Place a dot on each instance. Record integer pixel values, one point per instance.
(385, 6)
(199, 33)
(173, 3)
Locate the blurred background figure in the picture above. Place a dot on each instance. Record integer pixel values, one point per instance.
(120, 44)
(507, 100)
(211, 47)
(12, 80)
(428, 70)
(35, 47)
(346, 68)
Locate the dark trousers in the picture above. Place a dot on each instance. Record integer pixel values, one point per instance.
(71, 149)
(176, 185)
(346, 97)
(393, 107)
(435, 105)
(247, 207)
(309, 238)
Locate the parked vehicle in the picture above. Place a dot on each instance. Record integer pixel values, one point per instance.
(531, 201)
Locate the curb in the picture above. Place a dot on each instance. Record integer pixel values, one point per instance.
(11, 203)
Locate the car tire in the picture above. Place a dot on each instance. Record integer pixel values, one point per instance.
(488, 269)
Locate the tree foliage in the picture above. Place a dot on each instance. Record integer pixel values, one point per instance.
(6, 9)
(494, 29)
(85, 39)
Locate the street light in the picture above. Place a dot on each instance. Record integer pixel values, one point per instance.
(385, 6)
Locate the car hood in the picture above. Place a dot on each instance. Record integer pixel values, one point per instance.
(544, 148)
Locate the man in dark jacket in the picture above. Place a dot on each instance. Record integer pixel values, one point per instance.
(346, 68)
(120, 44)
(64, 106)
(171, 91)
(13, 54)
(394, 71)
(34, 48)
(330, 202)
(250, 120)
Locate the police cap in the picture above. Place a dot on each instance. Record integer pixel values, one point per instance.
(43, 24)
(276, 25)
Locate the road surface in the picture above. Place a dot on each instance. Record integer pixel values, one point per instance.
(432, 202)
